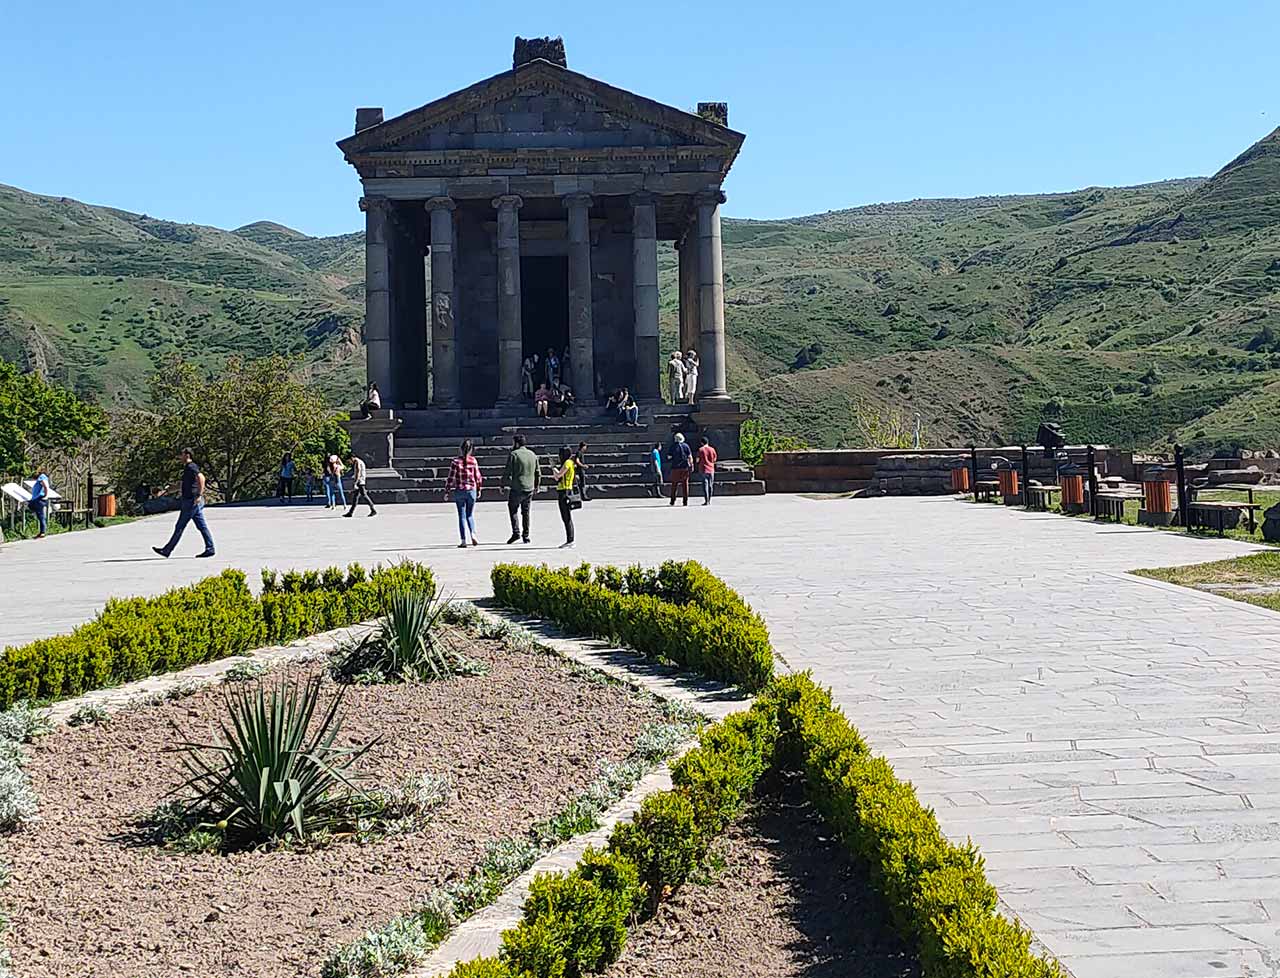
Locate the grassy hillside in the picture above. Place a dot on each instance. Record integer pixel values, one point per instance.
(1133, 315)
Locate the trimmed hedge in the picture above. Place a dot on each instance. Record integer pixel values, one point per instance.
(681, 613)
(136, 637)
(941, 900)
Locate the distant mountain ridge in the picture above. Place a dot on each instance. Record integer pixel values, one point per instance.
(1133, 314)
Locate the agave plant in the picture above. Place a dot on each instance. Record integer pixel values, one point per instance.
(409, 642)
(278, 771)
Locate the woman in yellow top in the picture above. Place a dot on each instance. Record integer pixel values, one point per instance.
(564, 485)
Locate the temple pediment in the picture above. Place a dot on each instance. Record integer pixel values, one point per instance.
(540, 107)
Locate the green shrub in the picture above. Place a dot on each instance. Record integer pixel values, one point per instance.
(682, 614)
(574, 924)
(482, 968)
(663, 841)
(136, 637)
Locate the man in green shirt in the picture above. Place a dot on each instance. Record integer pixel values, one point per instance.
(521, 478)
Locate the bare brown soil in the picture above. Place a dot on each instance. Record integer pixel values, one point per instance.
(517, 744)
(783, 901)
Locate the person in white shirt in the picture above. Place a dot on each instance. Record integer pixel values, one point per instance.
(359, 474)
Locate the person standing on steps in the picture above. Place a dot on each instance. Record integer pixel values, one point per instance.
(675, 378)
(706, 465)
(521, 478)
(565, 496)
(191, 508)
(654, 488)
(681, 464)
(580, 468)
(526, 378)
(359, 489)
(464, 482)
(39, 503)
(690, 376)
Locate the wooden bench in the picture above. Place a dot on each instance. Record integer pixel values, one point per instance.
(1231, 487)
(1040, 498)
(987, 489)
(1111, 504)
(1213, 515)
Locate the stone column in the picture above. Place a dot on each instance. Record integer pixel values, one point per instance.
(377, 297)
(711, 353)
(582, 342)
(510, 334)
(687, 249)
(444, 359)
(644, 249)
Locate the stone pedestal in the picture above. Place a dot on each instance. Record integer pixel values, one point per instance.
(373, 438)
(721, 421)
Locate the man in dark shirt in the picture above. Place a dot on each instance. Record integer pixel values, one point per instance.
(580, 466)
(191, 508)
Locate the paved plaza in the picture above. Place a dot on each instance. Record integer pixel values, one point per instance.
(1112, 744)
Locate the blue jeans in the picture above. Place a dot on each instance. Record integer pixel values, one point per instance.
(191, 512)
(465, 500)
(333, 490)
(41, 508)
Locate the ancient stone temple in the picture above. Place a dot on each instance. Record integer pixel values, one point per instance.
(534, 203)
(524, 214)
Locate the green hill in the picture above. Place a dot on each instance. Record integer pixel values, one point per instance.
(1132, 314)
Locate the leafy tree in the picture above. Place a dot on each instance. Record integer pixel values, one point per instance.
(889, 428)
(36, 416)
(756, 438)
(238, 423)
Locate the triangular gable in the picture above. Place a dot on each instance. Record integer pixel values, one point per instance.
(540, 79)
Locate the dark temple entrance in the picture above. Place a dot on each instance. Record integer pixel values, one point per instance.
(544, 304)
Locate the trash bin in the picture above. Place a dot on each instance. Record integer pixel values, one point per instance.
(1157, 500)
(107, 504)
(1007, 479)
(960, 478)
(1071, 478)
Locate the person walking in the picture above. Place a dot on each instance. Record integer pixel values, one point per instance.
(705, 462)
(565, 496)
(681, 464)
(284, 487)
(359, 490)
(464, 482)
(580, 468)
(690, 376)
(521, 478)
(39, 503)
(654, 488)
(191, 507)
(675, 378)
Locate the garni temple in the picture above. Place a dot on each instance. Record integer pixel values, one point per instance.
(521, 217)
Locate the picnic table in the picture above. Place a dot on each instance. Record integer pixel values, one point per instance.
(1040, 497)
(1250, 508)
(987, 489)
(1111, 502)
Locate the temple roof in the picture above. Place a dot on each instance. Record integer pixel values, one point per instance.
(543, 107)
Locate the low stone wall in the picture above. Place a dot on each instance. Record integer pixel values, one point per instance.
(914, 475)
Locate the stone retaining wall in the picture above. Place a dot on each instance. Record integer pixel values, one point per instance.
(914, 475)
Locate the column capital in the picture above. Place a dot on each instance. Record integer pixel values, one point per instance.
(710, 198)
(577, 199)
(508, 201)
(440, 203)
(374, 204)
(643, 198)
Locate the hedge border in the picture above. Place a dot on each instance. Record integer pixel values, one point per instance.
(132, 638)
(938, 894)
(680, 613)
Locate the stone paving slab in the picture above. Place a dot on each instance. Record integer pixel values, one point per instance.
(951, 634)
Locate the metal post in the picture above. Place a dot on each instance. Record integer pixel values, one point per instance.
(1093, 481)
(88, 512)
(973, 470)
(1179, 463)
(1025, 472)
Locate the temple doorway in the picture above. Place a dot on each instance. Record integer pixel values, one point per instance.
(544, 304)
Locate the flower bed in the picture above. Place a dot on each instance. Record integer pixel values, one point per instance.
(91, 891)
(214, 618)
(680, 613)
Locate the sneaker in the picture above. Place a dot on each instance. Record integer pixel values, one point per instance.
(567, 545)
(514, 538)
(348, 514)
(462, 545)
(373, 512)
(161, 552)
(525, 540)
(475, 542)
(207, 553)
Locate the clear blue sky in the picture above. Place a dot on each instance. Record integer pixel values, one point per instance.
(225, 113)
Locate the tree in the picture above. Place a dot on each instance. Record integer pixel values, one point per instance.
(36, 416)
(889, 428)
(755, 439)
(238, 423)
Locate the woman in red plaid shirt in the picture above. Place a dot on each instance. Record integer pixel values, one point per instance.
(464, 482)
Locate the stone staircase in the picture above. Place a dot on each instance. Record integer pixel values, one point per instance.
(618, 455)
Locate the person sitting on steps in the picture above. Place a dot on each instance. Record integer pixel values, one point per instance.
(372, 402)
(542, 401)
